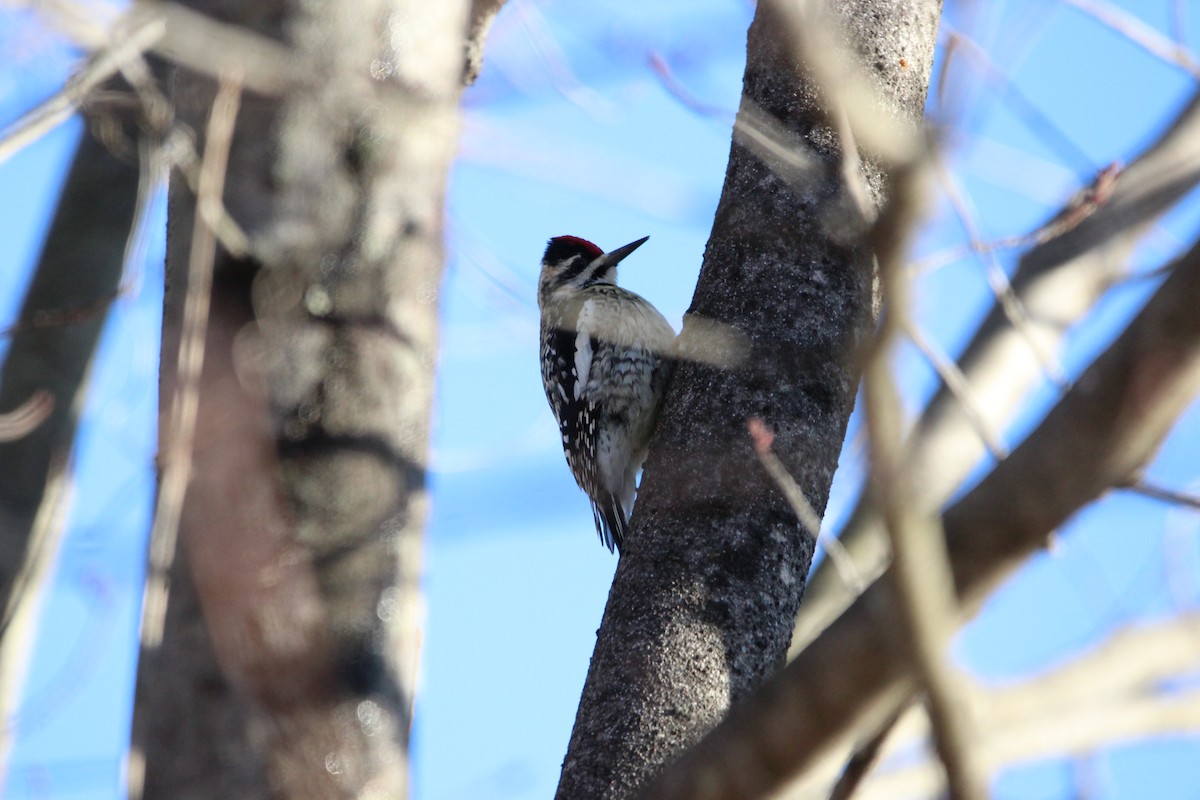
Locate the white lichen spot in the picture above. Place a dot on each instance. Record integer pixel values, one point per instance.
(381, 70)
(787, 576)
(334, 764)
(388, 603)
(369, 715)
(317, 301)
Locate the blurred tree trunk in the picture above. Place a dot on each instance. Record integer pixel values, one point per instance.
(77, 277)
(287, 659)
(705, 595)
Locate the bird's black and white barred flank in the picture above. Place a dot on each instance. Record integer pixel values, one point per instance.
(605, 356)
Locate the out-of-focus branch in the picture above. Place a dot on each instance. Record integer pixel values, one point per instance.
(175, 462)
(921, 576)
(1162, 493)
(482, 14)
(1057, 281)
(1103, 430)
(1099, 698)
(1138, 32)
(62, 104)
(23, 419)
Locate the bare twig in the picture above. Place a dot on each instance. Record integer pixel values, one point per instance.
(176, 465)
(26, 417)
(1173, 496)
(956, 382)
(1024, 108)
(923, 582)
(189, 38)
(660, 67)
(809, 518)
(59, 107)
(859, 765)
(483, 13)
(1139, 33)
(1006, 299)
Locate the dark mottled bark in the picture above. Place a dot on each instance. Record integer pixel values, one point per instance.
(704, 598)
(77, 278)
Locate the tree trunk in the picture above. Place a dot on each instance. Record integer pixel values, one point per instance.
(705, 595)
(287, 661)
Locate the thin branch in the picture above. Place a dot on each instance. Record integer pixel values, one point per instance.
(1173, 496)
(809, 518)
(1104, 696)
(1022, 106)
(25, 418)
(483, 13)
(182, 35)
(923, 581)
(1138, 32)
(864, 758)
(660, 67)
(59, 107)
(1002, 290)
(956, 382)
(176, 464)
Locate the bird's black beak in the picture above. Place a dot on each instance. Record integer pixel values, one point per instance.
(611, 258)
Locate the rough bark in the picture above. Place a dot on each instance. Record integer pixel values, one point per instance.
(704, 597)
(289, 652)
(858, 672)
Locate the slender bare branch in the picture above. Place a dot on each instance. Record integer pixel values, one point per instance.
(956, 382)
(176, 462)
(26, 417)
(483, 13)
(921, 575)
(1138, 32)
(59, 107)
(1173, 496)
(1102, 697)
(864, 758)
(763, 439)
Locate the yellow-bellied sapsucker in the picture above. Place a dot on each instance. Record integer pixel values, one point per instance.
(605, 363)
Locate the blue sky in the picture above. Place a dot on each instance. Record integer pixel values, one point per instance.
(570, 130)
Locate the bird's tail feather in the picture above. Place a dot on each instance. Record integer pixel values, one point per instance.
(611, 522)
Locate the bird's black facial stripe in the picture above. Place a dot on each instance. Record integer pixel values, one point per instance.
(573, 271)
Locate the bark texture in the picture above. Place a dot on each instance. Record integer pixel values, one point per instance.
(290, 646)
(705, 594)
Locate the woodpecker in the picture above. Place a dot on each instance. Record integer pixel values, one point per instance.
(605, 356)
